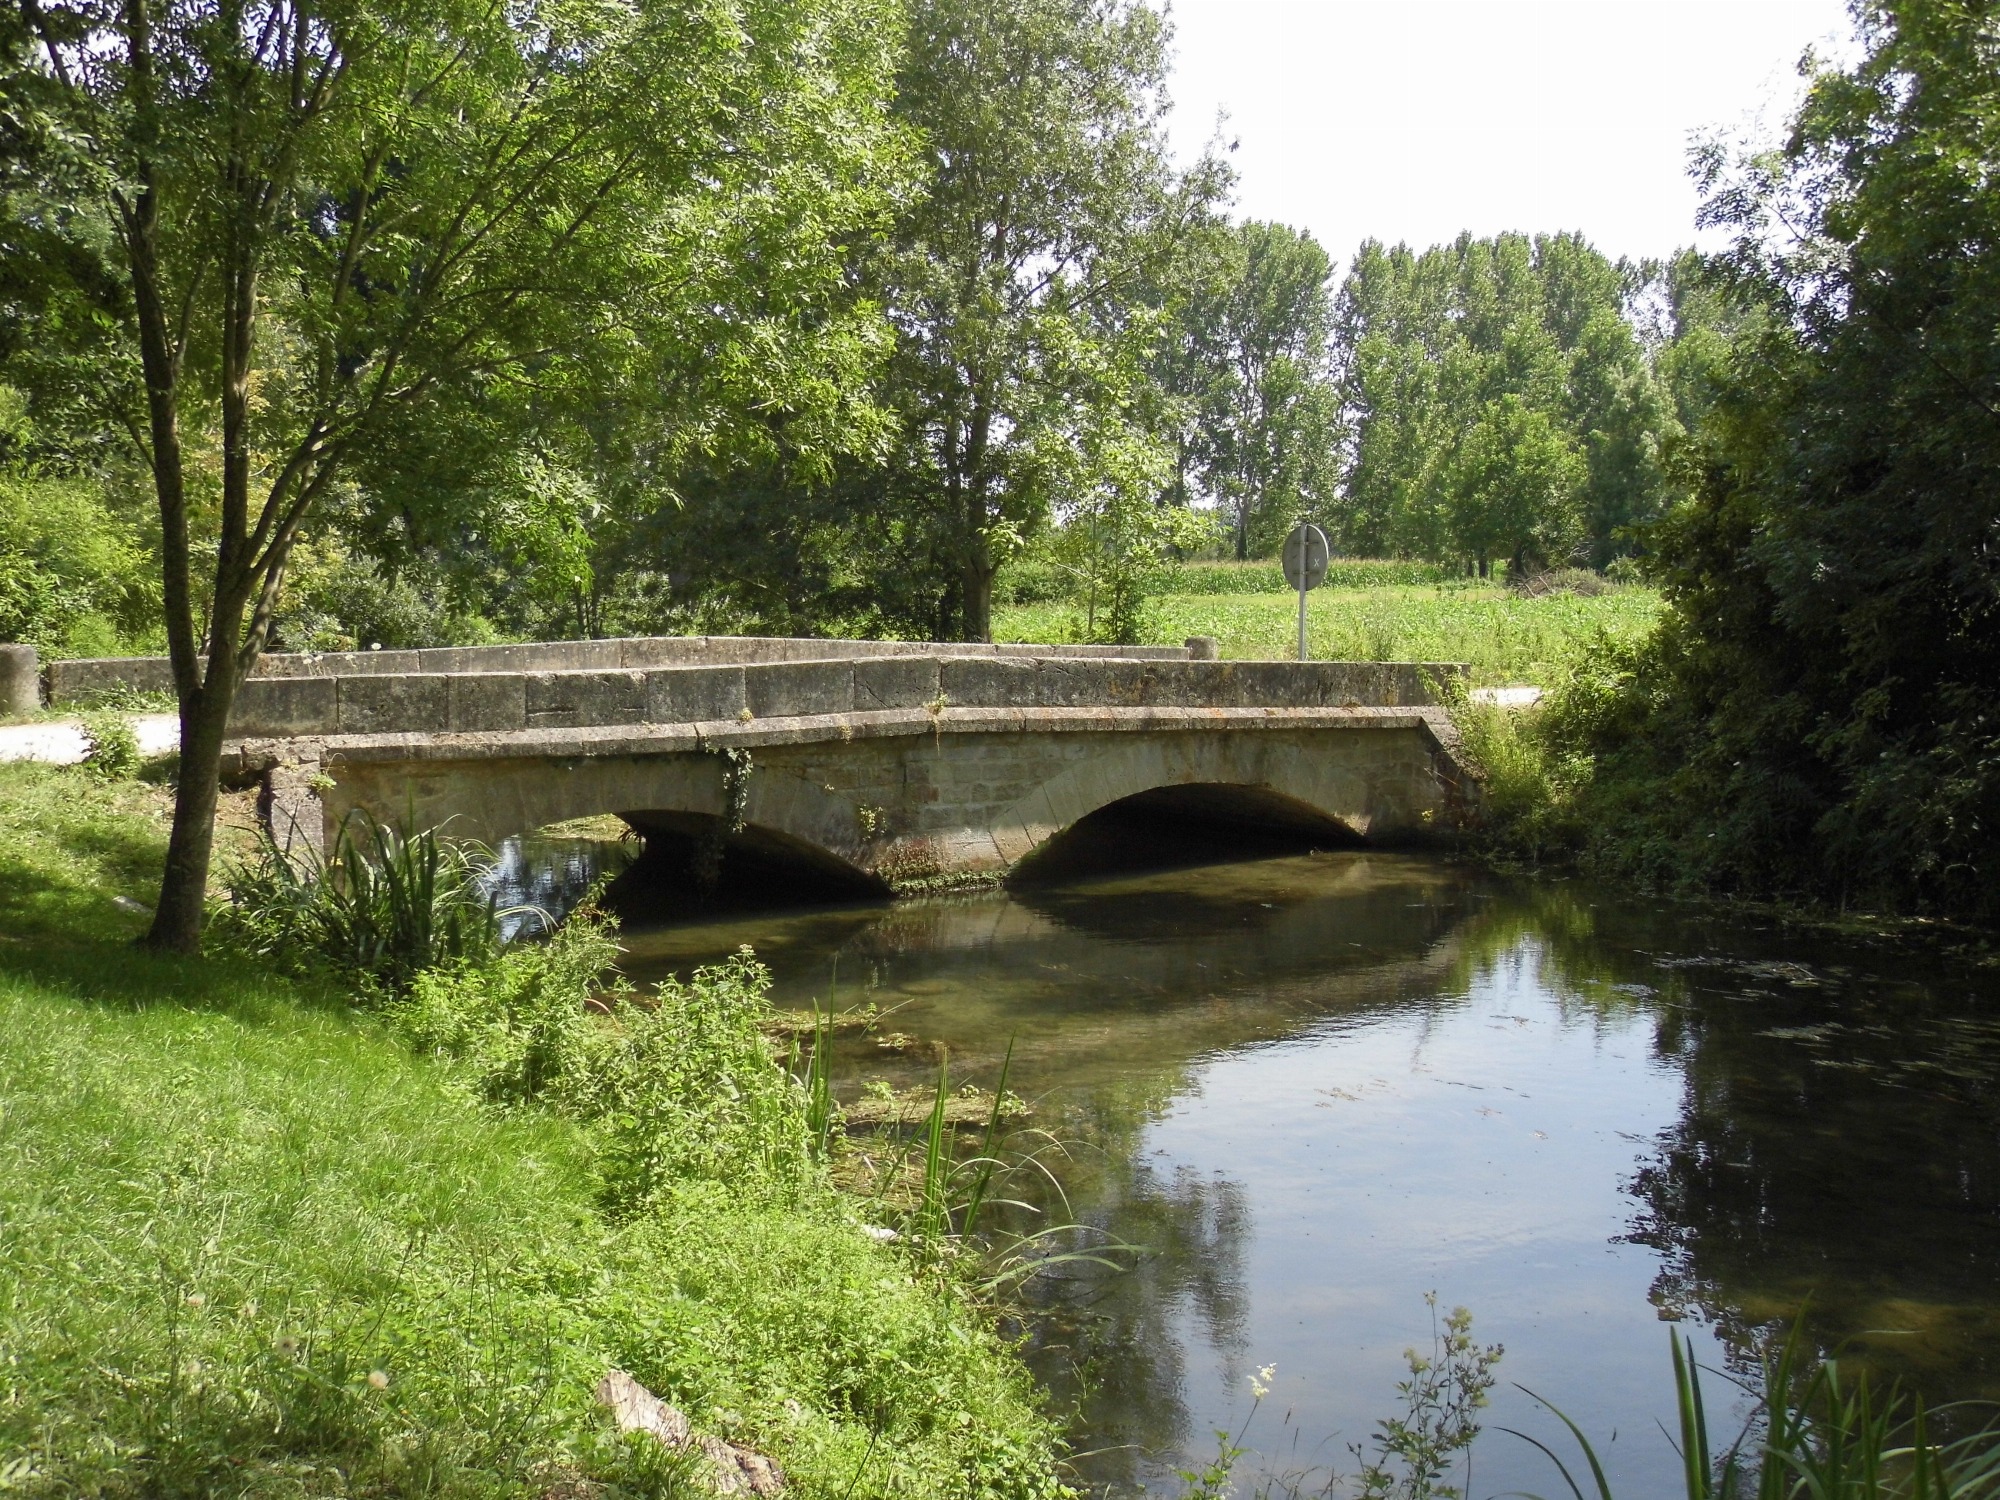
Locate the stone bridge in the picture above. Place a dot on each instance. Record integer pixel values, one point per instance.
(867, 766)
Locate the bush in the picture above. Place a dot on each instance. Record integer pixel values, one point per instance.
(112, 747)
(679, 1087)
(73, 578)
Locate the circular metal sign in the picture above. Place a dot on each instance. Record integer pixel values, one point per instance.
(1306, 556)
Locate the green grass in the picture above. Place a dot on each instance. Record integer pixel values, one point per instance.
(250, 1244)
(1502, 635)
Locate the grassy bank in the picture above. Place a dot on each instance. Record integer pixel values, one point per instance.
(1505, 636)
(254, 1243)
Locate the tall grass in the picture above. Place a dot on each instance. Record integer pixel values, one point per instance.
(1813, 1434)
(382, 906)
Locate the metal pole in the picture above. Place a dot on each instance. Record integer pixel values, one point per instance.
(1302, 602)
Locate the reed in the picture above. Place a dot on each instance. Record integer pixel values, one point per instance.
(1813, 1434)
(383, 906)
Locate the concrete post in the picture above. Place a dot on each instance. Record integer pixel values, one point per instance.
(20, 681)
(1202, 648)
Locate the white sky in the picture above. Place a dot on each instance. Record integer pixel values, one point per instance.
(1414, 119)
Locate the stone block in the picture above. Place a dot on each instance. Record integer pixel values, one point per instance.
(359, 664)
(693, 695)
(280, 707)
(646, 651)
(1203, 648)
(565, 700)
(888, 682)
(1074, 683)
(785, 690)
(989, 682)
(72, 682)
(1188, 684)
(20, 681)
(411, 704)
(482, 701)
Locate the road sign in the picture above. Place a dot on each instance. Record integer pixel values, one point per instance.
(1306, 557)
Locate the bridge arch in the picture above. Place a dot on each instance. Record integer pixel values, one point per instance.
(1204, 774)
(675, 802)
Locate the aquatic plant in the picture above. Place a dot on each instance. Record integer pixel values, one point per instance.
(1813, 1434)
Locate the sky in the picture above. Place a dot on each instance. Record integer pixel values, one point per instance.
(1414, 119)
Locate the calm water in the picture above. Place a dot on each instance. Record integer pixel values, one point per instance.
(1315, 1089)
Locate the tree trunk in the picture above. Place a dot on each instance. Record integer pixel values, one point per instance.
(976, 579)
(177, 920)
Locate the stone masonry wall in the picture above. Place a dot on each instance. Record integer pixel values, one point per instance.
(72, 682)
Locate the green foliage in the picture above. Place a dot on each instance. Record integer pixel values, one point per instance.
(114, 748)
(1248, 357)
(1116, 547)
(388, 243)
(1416, 1451)
(1514, 487)
(254, 1242)
(1814, 720)
(341, 599)
(1811, 1433)
(73, 579)
(378, 909)
(1498, 402)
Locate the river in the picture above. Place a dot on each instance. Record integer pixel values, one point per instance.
(1308, 1090)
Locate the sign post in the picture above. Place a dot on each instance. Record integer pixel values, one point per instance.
(1306, 556)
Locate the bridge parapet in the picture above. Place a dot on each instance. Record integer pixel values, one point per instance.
(78, 681)
(449, 703)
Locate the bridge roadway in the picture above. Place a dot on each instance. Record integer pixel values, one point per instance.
(871, 765)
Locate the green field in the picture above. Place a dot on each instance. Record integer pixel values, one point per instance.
(1504, 636)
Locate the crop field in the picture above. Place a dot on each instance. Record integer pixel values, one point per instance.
(1505, 636)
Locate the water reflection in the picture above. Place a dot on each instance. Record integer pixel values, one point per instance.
(1315, 1088)
(536, 881)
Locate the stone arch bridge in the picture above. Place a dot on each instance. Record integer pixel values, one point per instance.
(875, 765)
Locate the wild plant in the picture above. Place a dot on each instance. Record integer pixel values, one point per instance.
(1415, 1453)
(381, 907)
(1812, 1434)
(111, 746)
(1215, 1480)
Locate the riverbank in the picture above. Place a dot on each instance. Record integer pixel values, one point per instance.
(255, 1243)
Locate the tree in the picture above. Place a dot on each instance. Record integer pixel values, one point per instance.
(1256, 358)
(304, 230)
(1048, 184)
(1829, 667)
(1514, 486)
(1426, 344)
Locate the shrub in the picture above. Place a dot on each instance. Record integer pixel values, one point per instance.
(112, 748)
(678, 1087)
